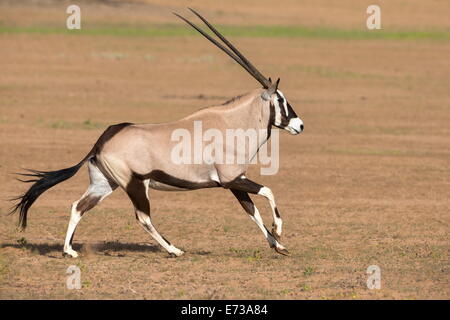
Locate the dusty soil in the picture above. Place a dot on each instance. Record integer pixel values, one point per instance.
(367, 183)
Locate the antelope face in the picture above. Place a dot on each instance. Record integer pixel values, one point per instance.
(284, 116)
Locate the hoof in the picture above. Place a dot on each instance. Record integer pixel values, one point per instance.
(71, 254)
(67, 255)
(282, 251)
(173, 255)
(176, 254)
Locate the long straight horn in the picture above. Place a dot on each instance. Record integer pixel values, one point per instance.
(260, 79)
(258, 76)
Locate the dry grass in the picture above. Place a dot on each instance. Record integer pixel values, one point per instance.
(366, 183)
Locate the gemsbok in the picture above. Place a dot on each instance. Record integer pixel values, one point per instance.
(137, 157)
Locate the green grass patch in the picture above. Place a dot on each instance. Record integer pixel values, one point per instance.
(286, 292)
(249, 255)
(304, 287)
(327, 72)
(180, 30)
(308, 271)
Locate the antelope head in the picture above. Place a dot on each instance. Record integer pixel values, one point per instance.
(284, 116)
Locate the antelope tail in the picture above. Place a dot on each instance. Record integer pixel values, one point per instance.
(42, 181)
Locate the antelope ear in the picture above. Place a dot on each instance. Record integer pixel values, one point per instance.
(271, 90)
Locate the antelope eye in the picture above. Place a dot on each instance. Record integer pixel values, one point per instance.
(280, 99)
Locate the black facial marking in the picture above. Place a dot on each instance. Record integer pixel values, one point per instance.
(282, 109)
(271, 120)
(285, 117)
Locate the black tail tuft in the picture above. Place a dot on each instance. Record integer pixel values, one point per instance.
(42, 181)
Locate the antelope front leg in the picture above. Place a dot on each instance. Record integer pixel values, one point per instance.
(277, 222)
(246, 185)
(250, 208)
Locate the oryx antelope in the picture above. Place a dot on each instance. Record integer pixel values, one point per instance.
(136, 157)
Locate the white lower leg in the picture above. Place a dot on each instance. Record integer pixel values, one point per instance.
(75, 217)
(277, 222)
(272, 241)
(99, 188)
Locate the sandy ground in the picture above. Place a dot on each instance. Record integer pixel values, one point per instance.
(367, 183)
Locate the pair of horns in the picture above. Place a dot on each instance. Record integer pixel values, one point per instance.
(233, 53)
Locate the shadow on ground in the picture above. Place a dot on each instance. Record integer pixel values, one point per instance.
(103, 248)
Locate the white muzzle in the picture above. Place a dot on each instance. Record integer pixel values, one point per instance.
(295, 126)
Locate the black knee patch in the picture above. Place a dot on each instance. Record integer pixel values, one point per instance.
(245, 201)
(87, 203)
